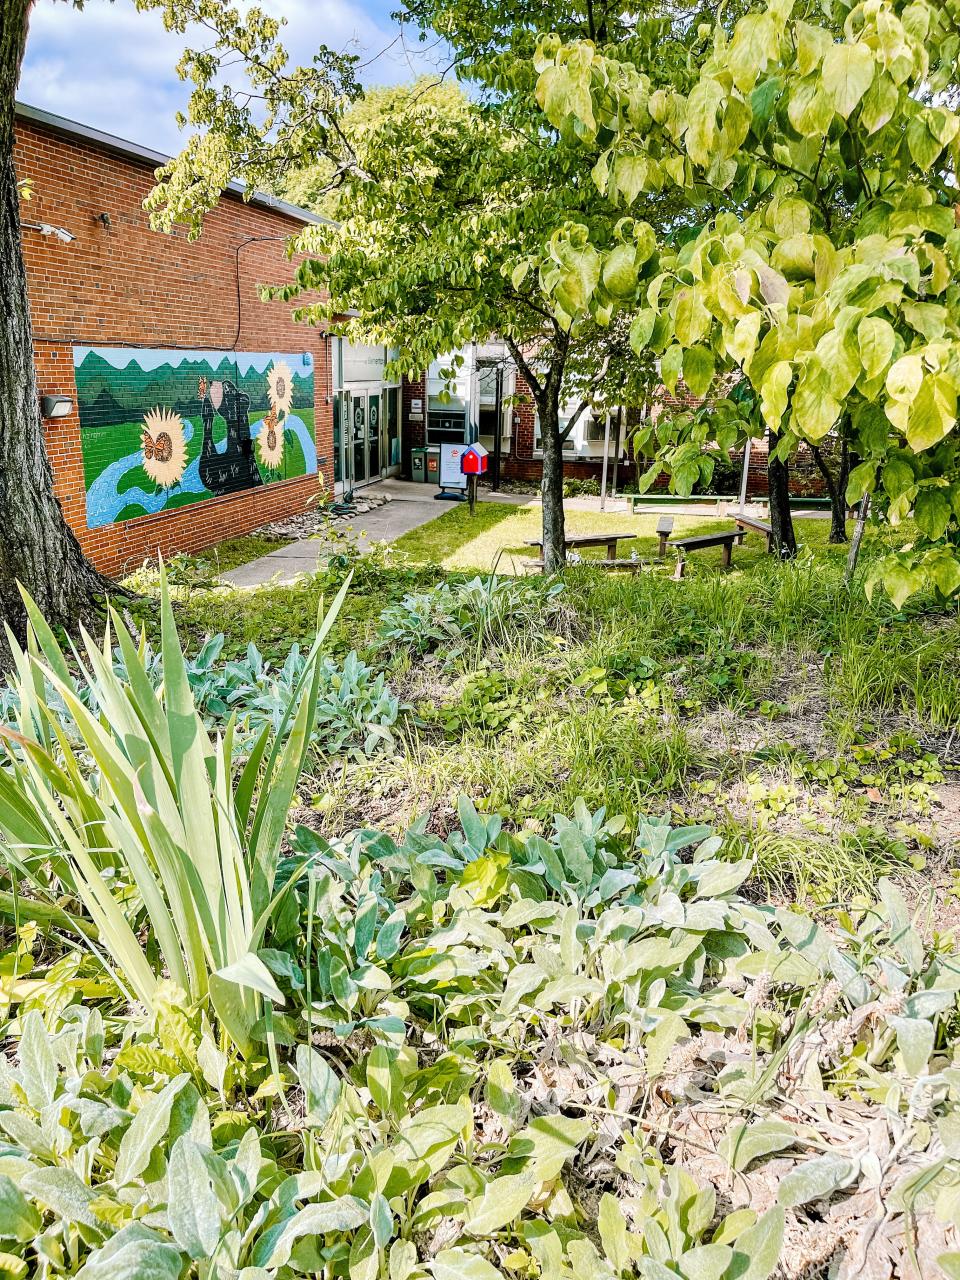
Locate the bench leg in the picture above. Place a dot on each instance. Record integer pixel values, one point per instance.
(680, 569)
(727, 554)
(612, 549)
(662, 545)
(740, 537)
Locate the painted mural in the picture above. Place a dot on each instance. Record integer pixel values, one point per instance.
(161, 429)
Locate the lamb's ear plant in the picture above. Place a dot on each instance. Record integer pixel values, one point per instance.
(141, 816)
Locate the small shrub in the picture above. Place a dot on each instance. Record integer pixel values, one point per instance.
(453, 616)
(576, 488)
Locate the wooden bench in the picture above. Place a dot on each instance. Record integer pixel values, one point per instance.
(703, 540)
(744, 523)
(574, 540)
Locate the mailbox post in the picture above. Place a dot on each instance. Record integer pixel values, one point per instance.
(473, 463)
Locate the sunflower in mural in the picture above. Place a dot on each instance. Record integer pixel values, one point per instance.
(280, 388)
(270, 441)
(164, 447)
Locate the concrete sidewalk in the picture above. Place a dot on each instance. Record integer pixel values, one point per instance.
(410, 506)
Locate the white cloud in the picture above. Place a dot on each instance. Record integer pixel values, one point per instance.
(112, 68)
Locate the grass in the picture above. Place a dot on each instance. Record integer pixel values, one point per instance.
(498, 534)
(812, 726)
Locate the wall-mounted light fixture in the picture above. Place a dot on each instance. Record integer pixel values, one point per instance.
(56, 406)
(47, 229)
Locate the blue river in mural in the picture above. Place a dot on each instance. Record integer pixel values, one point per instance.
(104, 503)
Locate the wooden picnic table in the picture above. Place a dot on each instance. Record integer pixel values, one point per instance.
(574, 540)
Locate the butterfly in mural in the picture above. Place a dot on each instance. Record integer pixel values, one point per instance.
(270, 441)
(164, 446)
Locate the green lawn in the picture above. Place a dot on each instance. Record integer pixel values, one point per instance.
(498, 533)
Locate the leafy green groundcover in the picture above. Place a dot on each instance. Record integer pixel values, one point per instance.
(247, 1053)
(509, 1056)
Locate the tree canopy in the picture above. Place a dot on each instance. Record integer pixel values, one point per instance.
(822, 148)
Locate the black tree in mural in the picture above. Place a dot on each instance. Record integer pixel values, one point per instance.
(234, 467)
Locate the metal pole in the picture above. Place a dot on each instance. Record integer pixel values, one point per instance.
(616, 453)
(497, 433)
(606, 451)
(746, 472)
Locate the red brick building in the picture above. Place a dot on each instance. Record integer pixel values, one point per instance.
(118, 308)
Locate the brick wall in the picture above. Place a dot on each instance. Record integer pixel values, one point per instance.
(126, 285)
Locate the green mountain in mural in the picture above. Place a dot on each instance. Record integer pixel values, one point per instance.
(108, 396)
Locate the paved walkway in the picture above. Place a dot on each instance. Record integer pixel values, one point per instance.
(410, 506)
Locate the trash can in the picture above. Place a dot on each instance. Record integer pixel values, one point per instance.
(418, 465)
(433, 466)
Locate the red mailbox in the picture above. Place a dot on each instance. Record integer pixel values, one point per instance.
(473, 461)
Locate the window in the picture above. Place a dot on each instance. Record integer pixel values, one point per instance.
(566, 413)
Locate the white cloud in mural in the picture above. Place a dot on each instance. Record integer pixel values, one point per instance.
(132, 59)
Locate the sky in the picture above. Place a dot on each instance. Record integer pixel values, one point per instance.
(112, 68)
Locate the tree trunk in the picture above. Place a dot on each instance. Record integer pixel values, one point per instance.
(551, 485)
(781, 521)
(37, 547)
(837, 489)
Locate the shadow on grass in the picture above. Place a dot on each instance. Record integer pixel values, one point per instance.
(443, 538)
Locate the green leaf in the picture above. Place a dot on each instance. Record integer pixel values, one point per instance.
(641, 329)
(915, 1040)
(847, 75)
(706, 1262)
(251, 973)
(863, 480)
(932, 414)
(501, 1201)
(547, 1143)
(38, 1069)
(134, 1253)
(773, 393)
(193, 1210)
(698, 369)
(273, 1248)
(924, 147)
(613, 1232)
(147, 1130)
(815, 1179)
(670, 366)
(877, 340)
(620, 271)
(321, 1085)
(932, 510)
(19, 1220)
(64, 1194)
(745, 1143)
(810, 109)
(757, 1249)
(458, 1264)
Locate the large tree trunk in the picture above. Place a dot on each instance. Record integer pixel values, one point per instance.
(837, 489)
(781, 521)
(37, 547)
(551, 485)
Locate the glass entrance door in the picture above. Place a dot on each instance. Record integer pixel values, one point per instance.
(373, 435)
(366, 456)
(358, 436)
